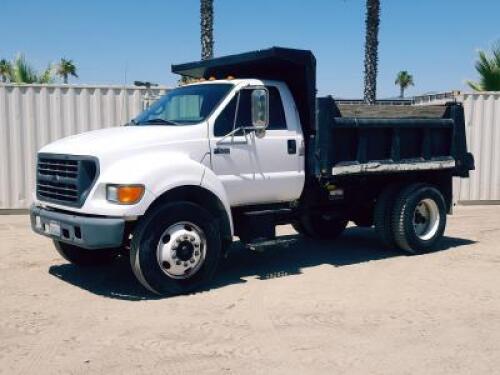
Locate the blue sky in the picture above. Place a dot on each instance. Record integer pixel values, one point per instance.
(435, 40)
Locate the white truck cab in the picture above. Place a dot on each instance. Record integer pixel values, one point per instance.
(185, 139)
(224, 157)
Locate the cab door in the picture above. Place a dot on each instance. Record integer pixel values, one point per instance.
(258, 167)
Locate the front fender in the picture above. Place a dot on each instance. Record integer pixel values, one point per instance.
(160, 177)
(158, 172)
(212, 183)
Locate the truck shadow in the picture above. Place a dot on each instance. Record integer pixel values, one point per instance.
(294, 253)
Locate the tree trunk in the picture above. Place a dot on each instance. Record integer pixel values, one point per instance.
(371, 49)
(65, 79)
(207, 23)
(401, 92)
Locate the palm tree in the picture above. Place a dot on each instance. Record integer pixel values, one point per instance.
(47, 75)
(207, 28)
(66, 68)
(372, 22)
(488, 67)
(22, 71)
(5, 70)
(404, 80)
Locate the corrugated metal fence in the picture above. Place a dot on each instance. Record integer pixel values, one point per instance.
(33, 115)
(482, 123)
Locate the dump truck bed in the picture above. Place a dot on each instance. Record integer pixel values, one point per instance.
(369, 145)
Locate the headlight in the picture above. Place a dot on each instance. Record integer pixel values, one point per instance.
(124, 194)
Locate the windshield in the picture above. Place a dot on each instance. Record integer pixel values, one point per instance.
(184, 105)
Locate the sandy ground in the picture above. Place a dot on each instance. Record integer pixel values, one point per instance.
(346, 307)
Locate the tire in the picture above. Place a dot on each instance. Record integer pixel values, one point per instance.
(321, 226)
(419, 218)
(175, 248)
(84, 257)
(382, 215)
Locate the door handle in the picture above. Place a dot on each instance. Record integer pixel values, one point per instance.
(221, 150)
(292, 146)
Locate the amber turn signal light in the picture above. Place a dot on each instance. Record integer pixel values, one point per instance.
(124, 194)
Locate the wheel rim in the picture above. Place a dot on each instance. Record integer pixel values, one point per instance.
(426, 219)
(181, 250)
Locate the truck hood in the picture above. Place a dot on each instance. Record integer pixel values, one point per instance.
(125, 138)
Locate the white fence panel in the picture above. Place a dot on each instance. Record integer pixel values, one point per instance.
(482, 124)
(33, 115)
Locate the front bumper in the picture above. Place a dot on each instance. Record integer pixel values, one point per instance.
(83, 231)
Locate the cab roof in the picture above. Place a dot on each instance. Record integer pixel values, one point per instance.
(297, 68)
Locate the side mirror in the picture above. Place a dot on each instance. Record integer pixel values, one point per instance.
(260, 109)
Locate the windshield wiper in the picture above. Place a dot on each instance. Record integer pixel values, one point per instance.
(159, 121)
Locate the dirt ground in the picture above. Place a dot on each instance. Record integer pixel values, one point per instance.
(345, 307)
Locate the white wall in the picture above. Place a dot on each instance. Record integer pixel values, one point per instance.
(33, 115)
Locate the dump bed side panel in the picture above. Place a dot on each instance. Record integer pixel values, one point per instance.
(351, 145)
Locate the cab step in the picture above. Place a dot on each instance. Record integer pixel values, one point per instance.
(260, 246)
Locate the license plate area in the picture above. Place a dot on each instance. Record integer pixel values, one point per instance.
(54, 229)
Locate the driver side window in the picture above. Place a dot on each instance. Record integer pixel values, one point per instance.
(225, 121)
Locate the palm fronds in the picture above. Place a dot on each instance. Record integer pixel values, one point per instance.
(404, 80)
(5, 70)
(47, 75)
(66, 68)
(22, 71)
(488, 67)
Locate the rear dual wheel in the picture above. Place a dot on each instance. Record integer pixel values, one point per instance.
(419, 219)
(412, 218)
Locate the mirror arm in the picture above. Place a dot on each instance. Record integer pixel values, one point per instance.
(236, 116)
(234, 131)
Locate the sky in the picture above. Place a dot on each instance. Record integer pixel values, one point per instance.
(117, 42)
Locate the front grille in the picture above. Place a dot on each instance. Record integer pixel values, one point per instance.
(65, 179)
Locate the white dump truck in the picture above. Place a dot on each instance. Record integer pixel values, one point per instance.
(245, 147)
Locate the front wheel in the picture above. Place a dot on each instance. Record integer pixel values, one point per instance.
(175, 248)
(84, 257)
(419, 218)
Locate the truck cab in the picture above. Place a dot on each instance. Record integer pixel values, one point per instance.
(225, 156)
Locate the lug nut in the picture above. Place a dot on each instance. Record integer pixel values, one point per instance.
(191, 260)
(178, 262)
(196, 253)
(192, 239)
